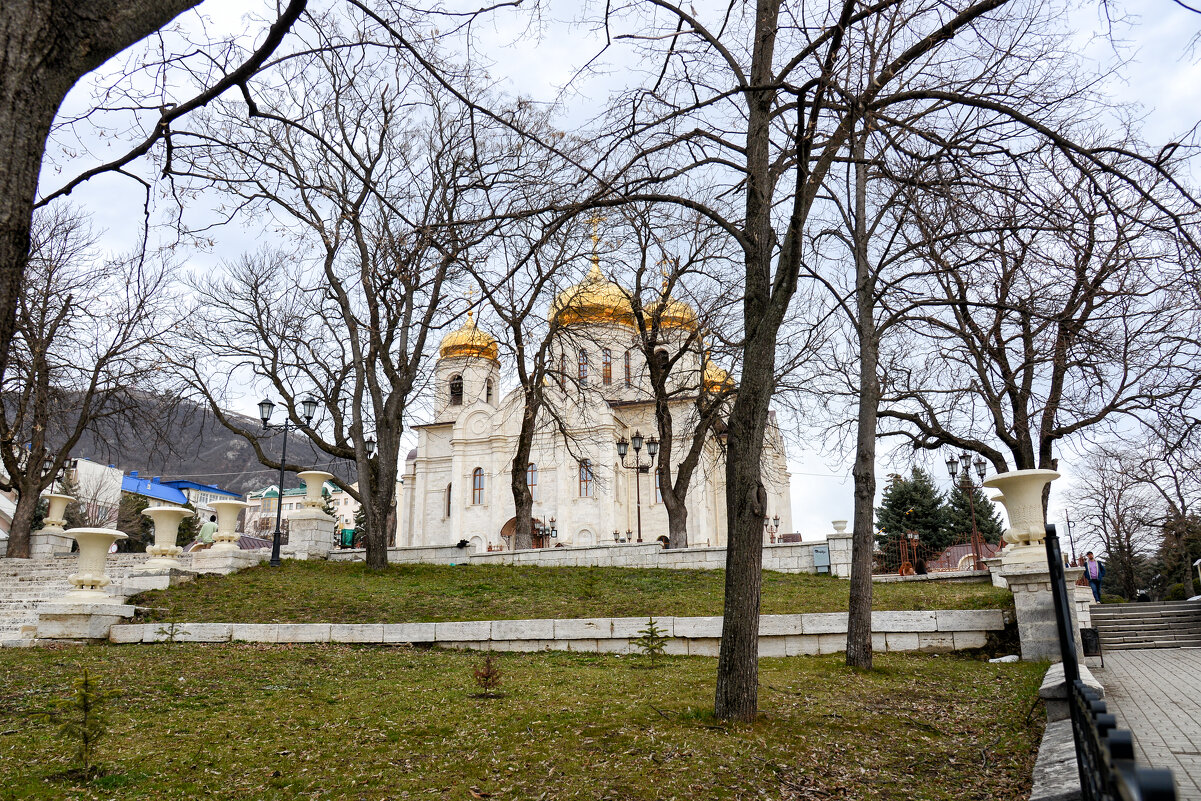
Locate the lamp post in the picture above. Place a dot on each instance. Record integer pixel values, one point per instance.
(265, 408)
(546, 530)
(963, 478)
(771, 527)
(652, 448)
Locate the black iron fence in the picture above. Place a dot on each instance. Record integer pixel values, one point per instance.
(1104, 753)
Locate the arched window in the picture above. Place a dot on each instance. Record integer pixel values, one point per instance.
(448, 500)
(562, 371)
(488, 391)
(606, 367)
(456, 390)
(585, 478)
(663, 358)
(583, 367)
(531, 479)
(477, 486)
(629, 379)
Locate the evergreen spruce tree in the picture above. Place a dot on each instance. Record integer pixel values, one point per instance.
(959, 515)
(913, 504)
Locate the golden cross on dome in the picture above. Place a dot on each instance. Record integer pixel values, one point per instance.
(595, 220)
(470, 293)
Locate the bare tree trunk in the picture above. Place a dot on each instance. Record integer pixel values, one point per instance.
(859, 617)
(19, 534)
(523, 499)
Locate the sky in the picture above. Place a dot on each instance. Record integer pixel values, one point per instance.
(1161, 75)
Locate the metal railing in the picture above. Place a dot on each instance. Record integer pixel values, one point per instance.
(1104, 753)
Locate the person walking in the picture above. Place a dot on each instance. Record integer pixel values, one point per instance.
(1094, 571)
(207, 531)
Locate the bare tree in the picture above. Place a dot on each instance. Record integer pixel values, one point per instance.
(81, 356)
(370, 175)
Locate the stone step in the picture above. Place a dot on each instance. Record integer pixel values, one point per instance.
(1192, 642)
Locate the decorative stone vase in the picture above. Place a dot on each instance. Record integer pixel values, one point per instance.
(314, 482)
(90, 578)
(166, 530)
(840, 526)
(57, 510)
(1022, 497)
(226, 538)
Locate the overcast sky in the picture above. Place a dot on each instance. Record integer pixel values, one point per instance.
(1161, 76)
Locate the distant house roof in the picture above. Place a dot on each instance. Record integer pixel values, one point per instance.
(152, 488)
(184, 484)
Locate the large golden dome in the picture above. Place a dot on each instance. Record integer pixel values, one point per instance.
(676, 314)
(596, 299)
(469, 340)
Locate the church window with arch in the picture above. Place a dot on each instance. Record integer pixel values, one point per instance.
(583, 367)
(488, 391)
(562, 371)
(606, 367)
(477, 486)
(586, 479)
(531, 479)
(629, 377)
(448, 500)
(456, 390)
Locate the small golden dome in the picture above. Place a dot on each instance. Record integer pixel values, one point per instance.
(676, 314)
(469, 340)
(713, 378)
(594, 300)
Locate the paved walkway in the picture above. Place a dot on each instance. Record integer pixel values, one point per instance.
(1156, 693)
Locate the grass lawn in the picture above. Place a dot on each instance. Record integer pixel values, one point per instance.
(330, 722)
(347, 592)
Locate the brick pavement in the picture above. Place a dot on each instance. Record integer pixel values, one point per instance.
(1156, 693)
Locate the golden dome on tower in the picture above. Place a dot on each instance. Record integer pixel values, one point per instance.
(469, 340)
(713, 378)
(596, 299)
(675, 314)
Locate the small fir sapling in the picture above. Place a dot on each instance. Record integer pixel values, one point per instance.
(488, 677)
(652, 641)
(80, 716)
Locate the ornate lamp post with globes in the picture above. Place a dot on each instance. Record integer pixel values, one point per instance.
(963, 479)
(309, 406)
(652, 449)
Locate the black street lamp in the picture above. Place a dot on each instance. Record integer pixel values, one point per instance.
(963, 478)
(652, 449)
(309, 406)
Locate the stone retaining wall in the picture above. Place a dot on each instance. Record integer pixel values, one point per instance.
(795, 557)
(779, 635)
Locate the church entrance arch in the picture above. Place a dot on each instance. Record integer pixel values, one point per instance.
(509, 530)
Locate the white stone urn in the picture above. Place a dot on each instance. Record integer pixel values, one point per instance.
(1022, 497)
(840, 527)
(166, 530)
(226, 537)
(314, 482)
(54, 522)
(89, 577)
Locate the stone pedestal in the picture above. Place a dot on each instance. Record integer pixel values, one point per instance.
(840, 550)
(155, 579)
(993, 563)
(51, 539)
(223, 563)
(1035, 606)
(80, 621)
(310, 535)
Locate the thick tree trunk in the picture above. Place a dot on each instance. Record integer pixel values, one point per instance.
(523, 499)
(859, 617)
(18, 535)
(677, 525)
(47, 46)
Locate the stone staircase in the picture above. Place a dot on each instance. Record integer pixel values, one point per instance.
(26, 584)
(1165, 624)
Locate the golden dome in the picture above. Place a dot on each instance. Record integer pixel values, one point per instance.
(714, 378)
(469, 341)
(676, 314)
(594, 300)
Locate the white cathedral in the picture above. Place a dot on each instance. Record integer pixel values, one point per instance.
(457, 484)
